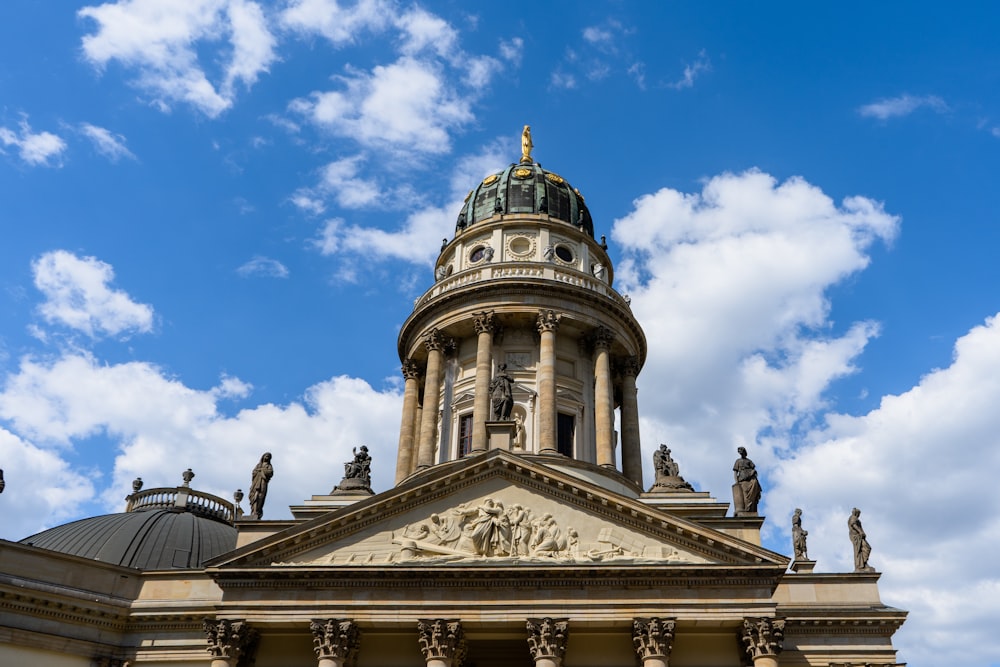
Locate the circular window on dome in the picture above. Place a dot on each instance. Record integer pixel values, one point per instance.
(521, 246)
(564, 253)
(477, 254)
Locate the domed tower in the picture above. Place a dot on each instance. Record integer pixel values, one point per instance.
(522, 342)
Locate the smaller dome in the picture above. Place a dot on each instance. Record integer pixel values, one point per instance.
(163, 529)
(525, 188)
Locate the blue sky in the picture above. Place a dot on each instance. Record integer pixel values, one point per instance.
(217, 213)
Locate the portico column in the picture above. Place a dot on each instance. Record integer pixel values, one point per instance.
(653, 639)
(441, 641)
(228, 641)
(484, 324)
(547, 640)
(432, 388)
(604, 409)
(404, 456)
(763, 639)
(335, 641)
(548, 323)
(631, 450)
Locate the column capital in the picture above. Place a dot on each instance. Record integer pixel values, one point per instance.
(230, 640)
(653, 637)
(763, 636)
(441, 639)
(334, 638)
(630, 366)
(602, 338)
(548, 320)
(485, 322)
(410, 370)
(547, 637)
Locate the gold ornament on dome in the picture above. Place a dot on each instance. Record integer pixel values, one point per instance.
(579, 195)
(522, 172)
(555, 178)
(467, 196)
(492, 178)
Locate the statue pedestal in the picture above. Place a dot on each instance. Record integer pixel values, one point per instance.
(500, 435)
(803, 566)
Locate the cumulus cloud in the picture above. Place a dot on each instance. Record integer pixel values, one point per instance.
(78, 295)
(39, 149)
(341, 25)
(111, 146)
(263, 266)
(903, 105)
(161, 41)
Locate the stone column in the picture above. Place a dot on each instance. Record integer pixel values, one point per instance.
(432, 388)
(335, 641)
(228, 641)
(604, 409)
(763, 638)
(631, 450)
(484, 323)
(653, 639)
(548, 323)
(441, 641)
(411, 389)
(547, 640)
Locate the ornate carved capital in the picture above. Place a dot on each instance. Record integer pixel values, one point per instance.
(602, 338)
(230, 640)
(763, 636)
(548, 320)
(547, 637)
(434, 340)
(442, 638)
(630, 366)
(335, 638)
(410, 370)
(653, 637)
(485, 322)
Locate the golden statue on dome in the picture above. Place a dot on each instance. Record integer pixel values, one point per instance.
(526, 145)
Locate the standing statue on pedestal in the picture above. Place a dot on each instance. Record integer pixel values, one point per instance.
(501, 395)
(799, 536)
(746, 490)
(668, 473)
(860, 542)
(357, 474)
(526, 145)
(259, 479)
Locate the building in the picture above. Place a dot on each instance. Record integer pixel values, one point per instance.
(511, 537)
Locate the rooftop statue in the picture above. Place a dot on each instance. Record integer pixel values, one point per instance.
(799, 536)
(526, 145)
(746, 490)
(357, 473)
(859, 541)
(259, 479)
(501, 395)
(668, 475)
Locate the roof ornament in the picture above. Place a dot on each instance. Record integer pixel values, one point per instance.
(526, 145)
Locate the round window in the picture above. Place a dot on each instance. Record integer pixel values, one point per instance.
(477, 254)
(565, 253)
(520, 245)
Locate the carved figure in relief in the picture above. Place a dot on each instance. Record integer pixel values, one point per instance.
(859, 540)
(259, 479)
(520, 530)
(501, 394)
(746, 490)
(444, 529)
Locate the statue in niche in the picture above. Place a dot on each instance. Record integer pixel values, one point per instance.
(259, 479)
(799, 536)
(746, 490)
(501, 395)
(357, 473)
(518, 432)
(668, 474)
(859, 540)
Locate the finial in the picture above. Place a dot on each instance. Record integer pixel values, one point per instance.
(188, 475)
(137, 485)
(238, 497)
(526, 145)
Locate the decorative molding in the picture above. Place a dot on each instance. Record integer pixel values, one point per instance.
(763, 636)
(231, 640)
(335, 638)
(441, 639)
(547, 637)
(653, 637)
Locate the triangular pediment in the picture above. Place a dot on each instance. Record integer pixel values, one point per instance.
(498, 509)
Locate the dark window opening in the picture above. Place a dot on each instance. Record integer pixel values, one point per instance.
(566, 431)
(464, 435)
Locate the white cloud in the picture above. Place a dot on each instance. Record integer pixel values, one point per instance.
(422, 30)
(78, 296)
(340, 178)
(903, 105)
(36, 148)
(512, 50)
(307, 202)
(692, 71)
(340, 25)
(263, 266)
(405, 106)
(112, 146)
(561, 79)
(161, 40)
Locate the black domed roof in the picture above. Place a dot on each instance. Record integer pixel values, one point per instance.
(525, 188)
(158, 533)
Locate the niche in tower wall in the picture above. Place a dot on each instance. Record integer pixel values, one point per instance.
(566, 432)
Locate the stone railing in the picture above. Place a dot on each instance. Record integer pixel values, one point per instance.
(182, 497)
